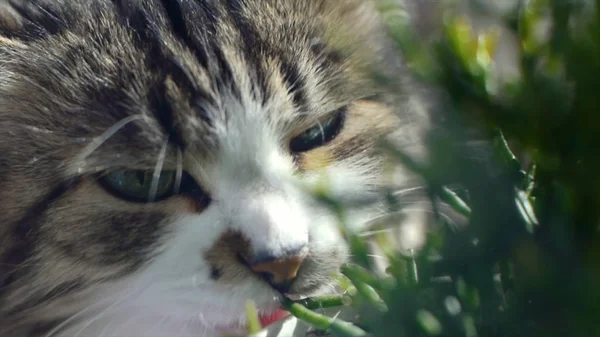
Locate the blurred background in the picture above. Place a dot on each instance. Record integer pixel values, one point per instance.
(515, 160)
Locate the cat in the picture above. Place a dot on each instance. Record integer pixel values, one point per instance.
(158, 157)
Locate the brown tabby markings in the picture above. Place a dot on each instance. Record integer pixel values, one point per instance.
(366, 121)
(71, 70)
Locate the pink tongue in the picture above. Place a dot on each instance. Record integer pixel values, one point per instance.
(275, 316)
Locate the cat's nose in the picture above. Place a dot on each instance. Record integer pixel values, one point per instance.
(279, 271)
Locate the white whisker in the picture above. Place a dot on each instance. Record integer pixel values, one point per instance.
(105, 330)
(322, 131)
(408, 190)
(100, 315)
(375, 232)
(375, 223)
(157, 171)
(377, 256)
(179, 173)
(205, 326)
(184, 329)
(205, 322)
(99, 140)
(388, 221)
(449, 219)
(75, 316)
(157, 324)
(127, 321)
(45, 155)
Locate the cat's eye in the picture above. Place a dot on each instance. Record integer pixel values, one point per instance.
(140, 185)
(320, 133)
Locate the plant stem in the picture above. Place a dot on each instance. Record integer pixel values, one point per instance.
(339, 327)
(455, 201)
(323, 302)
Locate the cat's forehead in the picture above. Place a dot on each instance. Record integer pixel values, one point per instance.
(229, 64)
(186, 67)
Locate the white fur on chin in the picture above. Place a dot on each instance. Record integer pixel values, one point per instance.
(255, 192)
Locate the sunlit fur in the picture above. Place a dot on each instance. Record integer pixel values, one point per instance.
(217, 88)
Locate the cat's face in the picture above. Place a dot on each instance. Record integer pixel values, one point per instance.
(156, 156)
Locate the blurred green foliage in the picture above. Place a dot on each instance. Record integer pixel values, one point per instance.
(527, 262)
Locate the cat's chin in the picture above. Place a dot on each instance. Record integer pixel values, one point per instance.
(163, 314)
(169, 322)
(266, 319)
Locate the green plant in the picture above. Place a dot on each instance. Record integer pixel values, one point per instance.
(527, 263)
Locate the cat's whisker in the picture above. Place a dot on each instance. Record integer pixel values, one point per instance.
(198, 167)
(424, 210)
(204, 322)
(384, 221)
(78, 314)
(157, 324)
(430, 211)
(337, 314)
(96, 142)
(322, 131)
(392, 220)
(105, 330)
(377, 256)
(179, 173)
(206, 327)
(25, 264)
(371, 255)
(38, 130)
(195, 281)
(157, 171)
(184, 329)
(375, 232)
(42, 89)
(95, 304)
(101, 314)
(45, 155)
(408, 190)
(129, 319)
(56, 19)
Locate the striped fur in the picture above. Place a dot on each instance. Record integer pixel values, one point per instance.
(222, 85)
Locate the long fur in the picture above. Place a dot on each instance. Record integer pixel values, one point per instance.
(91, 86)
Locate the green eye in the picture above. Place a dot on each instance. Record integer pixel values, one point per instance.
(138, 185)
(319, 134)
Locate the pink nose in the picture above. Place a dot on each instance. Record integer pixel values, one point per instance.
(279, 270)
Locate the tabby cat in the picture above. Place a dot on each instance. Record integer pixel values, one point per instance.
(157, 158)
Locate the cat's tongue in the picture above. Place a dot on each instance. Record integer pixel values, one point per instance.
(273, 317)
(265, 320)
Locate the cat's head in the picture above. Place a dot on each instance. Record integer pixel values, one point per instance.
(156, 156)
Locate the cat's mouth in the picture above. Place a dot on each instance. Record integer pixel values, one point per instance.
(273, 317)
(265, 321)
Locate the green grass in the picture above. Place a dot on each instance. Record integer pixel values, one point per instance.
(527, 264)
